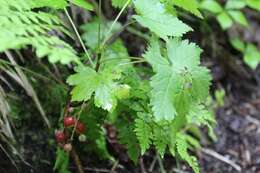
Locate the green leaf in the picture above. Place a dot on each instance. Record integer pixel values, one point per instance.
(200, 80)
(96, 136)
(164, 86)
(128, 138)
(104, 96)
(86, 81)
(119, 3)
(182, 54)
(255, 4)
(189, 5)
(143, 132)
(238, 44)
(153, 16)
(160, 139)
(107, 90)
(58, 4)
(182, 149)
(194, 143)
(82, 3)
(62, 161)
(182, 80)
(169, 7)
(224, 20)
(154, 57)
(211, 5)
(235, 4)
(220, 97)
(238, 17)
(252, 56)
(123, 91)
(199, 115)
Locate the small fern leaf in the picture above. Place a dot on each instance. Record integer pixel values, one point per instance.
(199, 115)
(128, 138)
(160, 140)
(20, 27)
(143, 132)
(182, 149)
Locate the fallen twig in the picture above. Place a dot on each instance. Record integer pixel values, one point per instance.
(160, 164)
(253, 120)
(178, 170)
(141, 161)
(97, 170)
(114, 167)
(221, 158)
(152, 164)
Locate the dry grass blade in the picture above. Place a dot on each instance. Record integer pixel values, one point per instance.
(21, 78)
(4, 121)
(6, 134)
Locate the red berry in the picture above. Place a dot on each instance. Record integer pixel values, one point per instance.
(69, 121)
(60, 136)
(67, 147)
(80, 128)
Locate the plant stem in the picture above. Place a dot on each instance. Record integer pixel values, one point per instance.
(114, 22)
(80, 40)
(160, 164)
(126, 58)
(99, 37)
(77, 161)
(84, 104)
(114, 36)
(132, 62)
(138, 33)
(99, 24)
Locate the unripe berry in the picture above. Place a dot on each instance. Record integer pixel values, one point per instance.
(69, 121)
(67, 147)
(82, 138)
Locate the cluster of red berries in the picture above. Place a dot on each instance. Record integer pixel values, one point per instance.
(71, 122)
(62, 135)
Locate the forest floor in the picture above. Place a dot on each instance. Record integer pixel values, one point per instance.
(238, 133)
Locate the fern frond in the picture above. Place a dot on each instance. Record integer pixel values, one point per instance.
(160, 139)
(182, 149)
(143, 132)
(128, 138)
(200, 115)
(20, 27)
